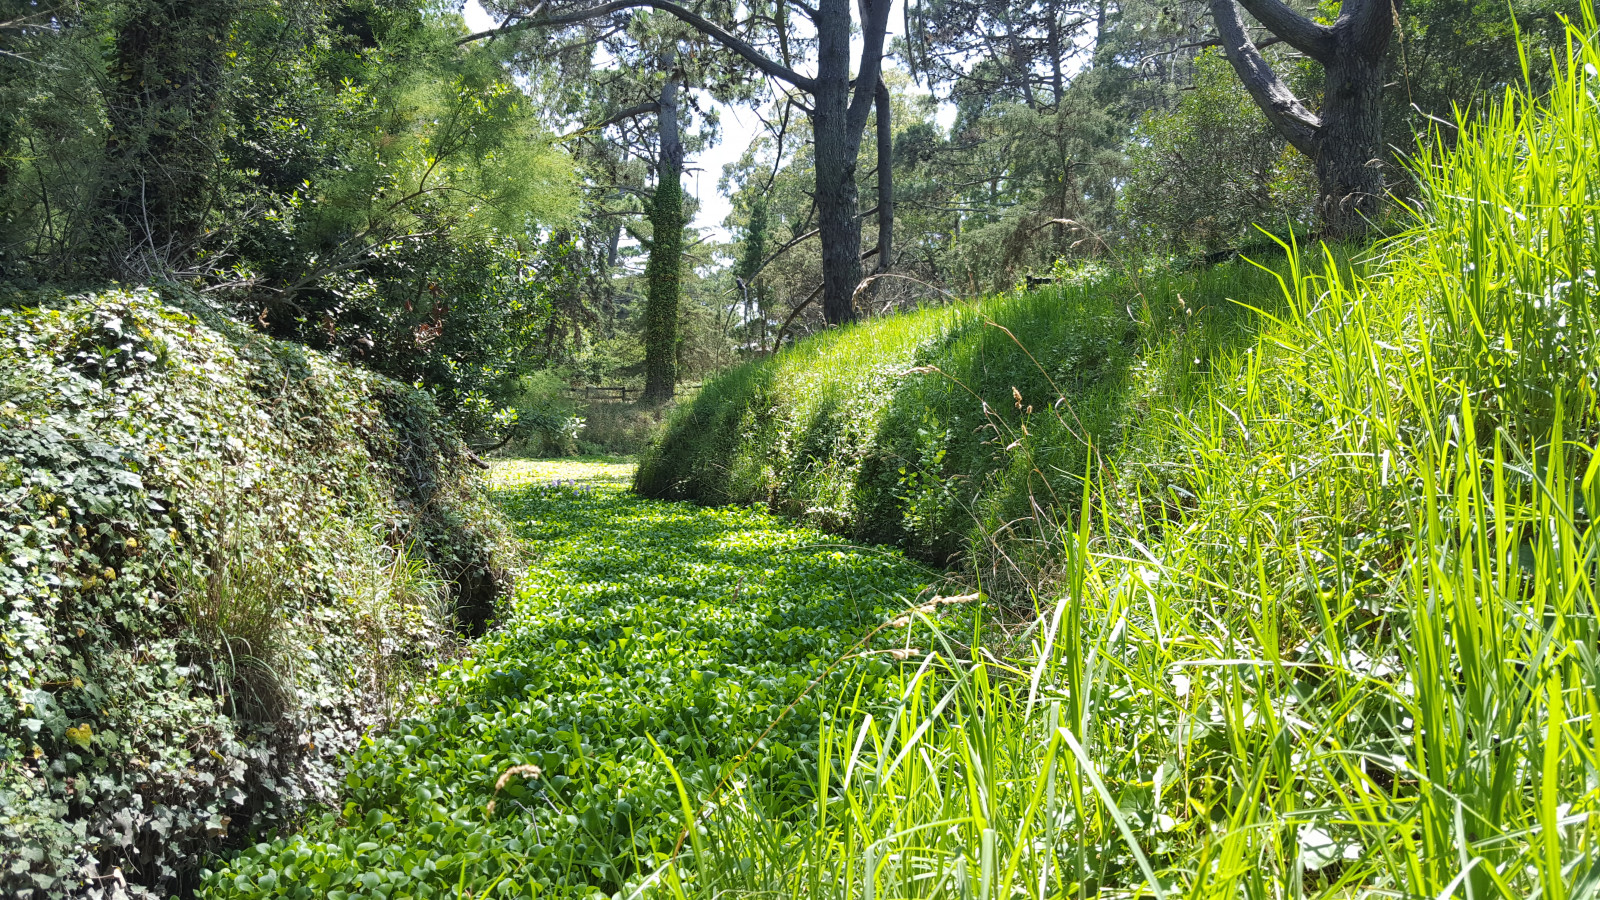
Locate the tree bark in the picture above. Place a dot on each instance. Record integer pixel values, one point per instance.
(838, 149)
(663, 272)
(836, 156)
(11, 72)
(1344, 141)
(1058, 82)
(1349, 153)
(7, 139)
(838, 118)
(1099, 28)
(885, 177)
(162, 105)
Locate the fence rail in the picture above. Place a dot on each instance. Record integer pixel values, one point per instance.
(610, 393)
(619, 393)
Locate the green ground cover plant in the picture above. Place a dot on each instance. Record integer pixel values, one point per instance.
(220, 557)
(572, 471)
(648, 649)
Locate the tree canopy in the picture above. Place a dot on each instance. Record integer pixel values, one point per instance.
(461, 209)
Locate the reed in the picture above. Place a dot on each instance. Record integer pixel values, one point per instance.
(1325, 628)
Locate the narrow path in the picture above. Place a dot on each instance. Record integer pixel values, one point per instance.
(639, 620)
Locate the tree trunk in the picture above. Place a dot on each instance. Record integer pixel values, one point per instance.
(837, 151)
(1349, 143)
(8, 128)
(1345, 139)
(838, 225)
(1058, 83)
(162, 105)
(10, 120)
(885, 178)
(1099, 28)
(663, 272)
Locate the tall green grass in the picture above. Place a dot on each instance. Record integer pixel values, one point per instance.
(952, 430)
(1325, 628)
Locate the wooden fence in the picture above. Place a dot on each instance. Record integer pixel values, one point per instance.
(604, 393)
(618, 393)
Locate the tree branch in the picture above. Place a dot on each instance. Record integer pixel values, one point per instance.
(640, 109)
(1201, 45)
(1299, 32)
(1288, 115)
(810, 11)
(874, 28)
(777, 342)
(885, 177)
(694, 20)
(799, 239)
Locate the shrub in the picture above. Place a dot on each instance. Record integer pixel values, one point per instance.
(619, 429)
(219, 552)
(547, 420)
(1212, 168)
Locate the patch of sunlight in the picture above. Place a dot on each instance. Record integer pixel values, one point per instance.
(594, 471)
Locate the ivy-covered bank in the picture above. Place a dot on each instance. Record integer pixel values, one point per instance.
(217, 554)
(534, 771)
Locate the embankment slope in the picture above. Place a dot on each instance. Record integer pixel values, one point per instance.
(220, 556)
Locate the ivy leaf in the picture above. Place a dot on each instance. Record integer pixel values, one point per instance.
(81, 735)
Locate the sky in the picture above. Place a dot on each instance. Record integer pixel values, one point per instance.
(739, 127)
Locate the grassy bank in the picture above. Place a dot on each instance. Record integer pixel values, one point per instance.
(1325, 623)
(646, 635)
(955, 429)
(219, 557)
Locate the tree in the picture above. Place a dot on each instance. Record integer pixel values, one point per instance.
(753, 290)
(840, 107)
(109, 123)
(1345, 139)
(1046, 93)
(996, 51)
(1206, 172)
(664, 272)
(163, 102)
(632, 79)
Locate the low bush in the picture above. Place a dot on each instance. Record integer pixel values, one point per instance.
(547, 419)
(619, 429)
(218, 553)
(550, 423)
